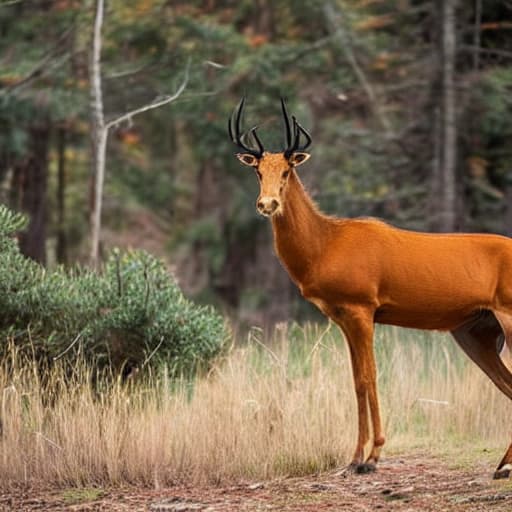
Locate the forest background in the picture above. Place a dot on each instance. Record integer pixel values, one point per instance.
(409, 103)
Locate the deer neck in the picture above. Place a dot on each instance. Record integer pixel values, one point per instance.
(299, 231)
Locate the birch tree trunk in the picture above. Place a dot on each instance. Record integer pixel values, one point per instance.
(99, 135)
(100, 129)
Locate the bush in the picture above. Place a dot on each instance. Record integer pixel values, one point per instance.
(131, 315)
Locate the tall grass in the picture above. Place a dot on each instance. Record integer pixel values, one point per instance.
(280, 408)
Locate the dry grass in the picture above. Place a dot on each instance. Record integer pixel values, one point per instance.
(262, 412)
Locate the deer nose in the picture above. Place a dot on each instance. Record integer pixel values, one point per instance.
(267, 205)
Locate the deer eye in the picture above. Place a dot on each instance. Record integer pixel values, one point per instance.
(285, 174)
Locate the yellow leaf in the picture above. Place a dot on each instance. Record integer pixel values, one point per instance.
(375, 22)
(477, 166)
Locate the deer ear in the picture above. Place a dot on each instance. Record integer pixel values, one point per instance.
(247, 159)
(298, 158)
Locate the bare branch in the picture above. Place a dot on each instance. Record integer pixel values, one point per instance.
(316, 45)
(73, 343)
(153, 352)
(44, 66)
(347, 48)
(157, 102)
(213, 64)
(5, 3)
(127, 72)
(42, 70)
(486, 51)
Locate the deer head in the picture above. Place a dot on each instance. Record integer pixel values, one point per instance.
(273, 169)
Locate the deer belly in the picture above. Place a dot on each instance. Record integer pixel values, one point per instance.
(428, 317)
(426, 301)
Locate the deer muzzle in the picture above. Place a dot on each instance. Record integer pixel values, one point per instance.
(267, 206)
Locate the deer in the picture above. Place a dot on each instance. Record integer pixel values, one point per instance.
(362, 271)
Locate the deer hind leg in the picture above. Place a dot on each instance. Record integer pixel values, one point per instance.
(505, 351)
(358, 329)
(483, 339)
(505, 466)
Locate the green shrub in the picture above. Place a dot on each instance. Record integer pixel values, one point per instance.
(130, 315)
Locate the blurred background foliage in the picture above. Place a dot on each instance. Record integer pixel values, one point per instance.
(363, 76)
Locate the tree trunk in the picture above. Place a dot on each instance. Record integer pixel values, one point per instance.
(30, 179)
(61, 194)
(436, 173)
(99, 136)
(443, 191)
(476, 34)
(508, 206)
(449, 116)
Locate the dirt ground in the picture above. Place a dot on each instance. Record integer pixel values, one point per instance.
(400, 484)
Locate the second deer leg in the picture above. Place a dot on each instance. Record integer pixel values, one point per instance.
(358, 328)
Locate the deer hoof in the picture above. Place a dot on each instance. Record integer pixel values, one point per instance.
(360, 468)
(365, 467)
(503, 472)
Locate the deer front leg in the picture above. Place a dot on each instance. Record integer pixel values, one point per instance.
(358, 328)
(363, 434)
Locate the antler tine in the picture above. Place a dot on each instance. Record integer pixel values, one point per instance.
(288, 131)
(293, 139)
(230, 129)
(235, 120)
(296, 133)
(302, 130)
(256, 138)
(239, 116)
(246, 140)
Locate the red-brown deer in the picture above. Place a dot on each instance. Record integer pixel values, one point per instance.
(359, 272)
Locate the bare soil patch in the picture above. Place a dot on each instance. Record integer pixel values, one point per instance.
(400, 484)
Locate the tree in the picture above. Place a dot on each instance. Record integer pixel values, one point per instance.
(31, 177)
(100, 128)
(444, 179)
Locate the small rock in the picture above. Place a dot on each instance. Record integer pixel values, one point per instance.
(176, 507)
(322, 487)
(254, 487)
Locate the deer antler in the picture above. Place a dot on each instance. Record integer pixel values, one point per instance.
(237, 136)
(293, 143)
(249, 141)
